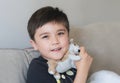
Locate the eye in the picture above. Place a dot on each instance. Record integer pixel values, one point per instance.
(61, 33)
(45, 36)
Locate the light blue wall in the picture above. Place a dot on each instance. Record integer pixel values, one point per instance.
(14, 15)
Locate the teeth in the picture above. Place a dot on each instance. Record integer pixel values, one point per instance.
(56, 49)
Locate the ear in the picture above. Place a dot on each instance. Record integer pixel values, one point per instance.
(34, 45)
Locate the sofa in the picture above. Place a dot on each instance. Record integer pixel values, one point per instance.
(101, 41)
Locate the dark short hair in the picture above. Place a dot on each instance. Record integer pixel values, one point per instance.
(45, 15)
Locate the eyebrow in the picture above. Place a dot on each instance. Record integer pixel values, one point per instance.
(61, 30)
(43, 33)
(48, 32)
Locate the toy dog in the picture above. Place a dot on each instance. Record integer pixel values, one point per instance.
(67, 61)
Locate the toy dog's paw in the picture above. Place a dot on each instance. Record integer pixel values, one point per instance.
(51, 72)
(57, 76)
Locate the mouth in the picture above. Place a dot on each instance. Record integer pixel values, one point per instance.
(77, 53)
(56, 49)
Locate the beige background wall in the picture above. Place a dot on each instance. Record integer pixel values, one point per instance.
(14, 15)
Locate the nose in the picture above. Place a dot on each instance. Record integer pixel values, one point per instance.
(79, 50)
(55, 40)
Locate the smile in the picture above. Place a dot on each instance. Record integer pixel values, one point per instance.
(56, 49)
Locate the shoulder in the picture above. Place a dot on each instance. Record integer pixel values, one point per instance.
(38, 64)
(38, 72)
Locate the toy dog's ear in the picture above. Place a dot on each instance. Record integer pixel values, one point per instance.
(71, 40)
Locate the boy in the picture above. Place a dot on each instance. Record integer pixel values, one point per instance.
(48, 29)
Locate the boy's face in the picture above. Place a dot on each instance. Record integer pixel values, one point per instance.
(52, 40)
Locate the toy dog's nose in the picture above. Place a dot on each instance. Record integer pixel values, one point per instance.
(78, 50)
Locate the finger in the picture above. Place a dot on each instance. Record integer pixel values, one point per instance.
(82, 51)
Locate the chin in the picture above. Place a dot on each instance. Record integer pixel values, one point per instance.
(58, 58)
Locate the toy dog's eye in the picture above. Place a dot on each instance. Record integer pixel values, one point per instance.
(78, 50)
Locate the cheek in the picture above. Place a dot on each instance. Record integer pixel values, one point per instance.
(43, 46)
(66, 43)
(43, 49)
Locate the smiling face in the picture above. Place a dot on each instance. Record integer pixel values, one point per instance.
(52, 40)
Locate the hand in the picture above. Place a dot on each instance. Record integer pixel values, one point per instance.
(83, 66)
(85, 62)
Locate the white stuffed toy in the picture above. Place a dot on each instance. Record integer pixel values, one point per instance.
(104, 76)
(72, 56)
(67, 61)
